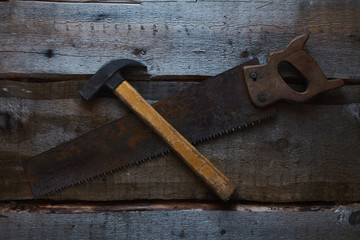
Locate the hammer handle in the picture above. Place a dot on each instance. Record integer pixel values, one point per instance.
(212, 176)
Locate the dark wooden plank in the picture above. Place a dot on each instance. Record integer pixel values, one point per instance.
(29, 127)
(152, 91)
(308, 153)
(246, 222)
(175, 38)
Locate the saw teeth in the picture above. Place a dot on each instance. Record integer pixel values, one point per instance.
(101, 175)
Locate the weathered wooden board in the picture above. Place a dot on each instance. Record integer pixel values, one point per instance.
(199, 38)
(245, 222)
(308, 153)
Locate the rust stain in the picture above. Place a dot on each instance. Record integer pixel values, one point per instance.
(136, 138)
(121, 129)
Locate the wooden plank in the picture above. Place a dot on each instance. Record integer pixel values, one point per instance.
(177, 38)
(174, 37)
(246, 222)
(151, 90)
(309, 153)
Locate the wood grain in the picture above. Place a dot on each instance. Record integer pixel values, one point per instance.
(308, 153)
(246, 222)
(151, 90)
(176, 38)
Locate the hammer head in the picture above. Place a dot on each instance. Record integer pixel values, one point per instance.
(108, 75)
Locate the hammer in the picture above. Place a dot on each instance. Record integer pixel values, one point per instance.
(109, 75)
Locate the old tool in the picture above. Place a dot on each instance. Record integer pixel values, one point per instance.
(109, 75)
(218, 105)
(266, 86)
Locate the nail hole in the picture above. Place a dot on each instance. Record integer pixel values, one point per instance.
(49, 53)
(139, 51)
(354, 218)
(245, 54)
(7, 122)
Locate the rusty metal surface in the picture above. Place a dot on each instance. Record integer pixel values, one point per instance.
(215, 106)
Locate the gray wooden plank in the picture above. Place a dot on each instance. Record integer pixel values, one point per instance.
(338, 222)
(200, 38)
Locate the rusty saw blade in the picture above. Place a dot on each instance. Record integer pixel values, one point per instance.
(211, 108)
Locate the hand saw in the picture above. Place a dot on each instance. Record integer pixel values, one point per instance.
(232, 100)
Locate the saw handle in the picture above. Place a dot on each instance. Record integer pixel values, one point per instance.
(202, 167)
(266, 86)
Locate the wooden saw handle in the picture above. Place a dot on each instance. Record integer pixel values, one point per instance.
(202, 167)
(266, 86)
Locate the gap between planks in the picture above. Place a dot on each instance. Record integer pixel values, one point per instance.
(61, 207)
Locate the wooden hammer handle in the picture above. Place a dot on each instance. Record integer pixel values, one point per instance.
(212, 176)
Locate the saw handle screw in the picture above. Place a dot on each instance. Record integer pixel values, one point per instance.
(261, 98)
(253, 76)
